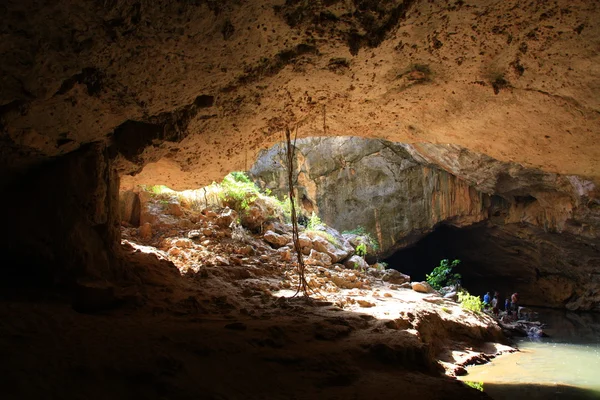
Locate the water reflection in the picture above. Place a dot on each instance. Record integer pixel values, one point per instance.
(564, 365)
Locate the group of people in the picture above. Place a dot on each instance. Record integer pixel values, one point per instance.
(510, 306)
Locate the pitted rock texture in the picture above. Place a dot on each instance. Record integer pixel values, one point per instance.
(375, 184)
(197, 88)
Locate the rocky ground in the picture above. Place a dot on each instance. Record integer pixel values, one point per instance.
(210, 313)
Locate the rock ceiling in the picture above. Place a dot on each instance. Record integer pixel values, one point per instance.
(198, 87)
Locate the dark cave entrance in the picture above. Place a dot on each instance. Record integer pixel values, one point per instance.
(488, 262)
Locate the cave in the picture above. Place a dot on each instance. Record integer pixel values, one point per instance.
(487, 263)
(484, 115)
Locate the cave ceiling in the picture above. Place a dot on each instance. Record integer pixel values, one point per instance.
(194, 89)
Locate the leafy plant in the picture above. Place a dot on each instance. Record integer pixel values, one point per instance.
(475, 385)
(238, 191)
(365, 237)
(361, 250)
(470, 302)
(442, 275)
(313, 222)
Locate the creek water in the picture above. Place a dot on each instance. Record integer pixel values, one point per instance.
(565, 365)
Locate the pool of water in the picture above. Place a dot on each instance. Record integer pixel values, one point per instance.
(565, 365)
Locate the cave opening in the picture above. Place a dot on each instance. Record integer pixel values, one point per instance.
(488, 263)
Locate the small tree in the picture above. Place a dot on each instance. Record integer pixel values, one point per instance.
(442, 275)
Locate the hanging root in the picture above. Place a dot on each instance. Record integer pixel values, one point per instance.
(303, 286)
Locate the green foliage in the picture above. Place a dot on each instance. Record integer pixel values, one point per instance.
(327, 236)
(475, 385)
(446, 310)
(239, 176)
(156, 189)
(359, 230)
(470, 302)
(286, 206)
(313, 222)
(365, 238)
(442, 275)
(361, 250)
(238, 191)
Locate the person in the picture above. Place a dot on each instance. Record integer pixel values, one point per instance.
(514, 302)
(486, 299)
(495, 304)
(507, 305)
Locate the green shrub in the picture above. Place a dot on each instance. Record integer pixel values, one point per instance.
(475, 385)
(238, 191)
(327, 236)
(313, 222)
(470, 302)
(361, 250)
(442, 275)
(364, 237)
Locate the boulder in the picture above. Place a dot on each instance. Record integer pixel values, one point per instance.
(324, 246)
(173, 209)
(226, 217)
(451, 296)
(285, 253)
(145, 231)
(276, 239)
(305, 242)
(318, 258)
(422, 287)
(195, 234)
(396, 277)
(356, 262)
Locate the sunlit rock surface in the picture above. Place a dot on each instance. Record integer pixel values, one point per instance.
(533, 231)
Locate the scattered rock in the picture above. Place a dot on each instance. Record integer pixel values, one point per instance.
(174, 209)
(356, 262)
(285, 254)
(396, 277)
(422, 287)
(365, 303)
(194, 234)
(276, 239)
(145, 231)
(226, 217)
(451, 296)
(319, 259)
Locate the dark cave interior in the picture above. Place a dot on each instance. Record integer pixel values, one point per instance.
(483, 259)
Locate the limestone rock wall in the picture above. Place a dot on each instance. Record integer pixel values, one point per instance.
(353, 182)
(528, 231)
